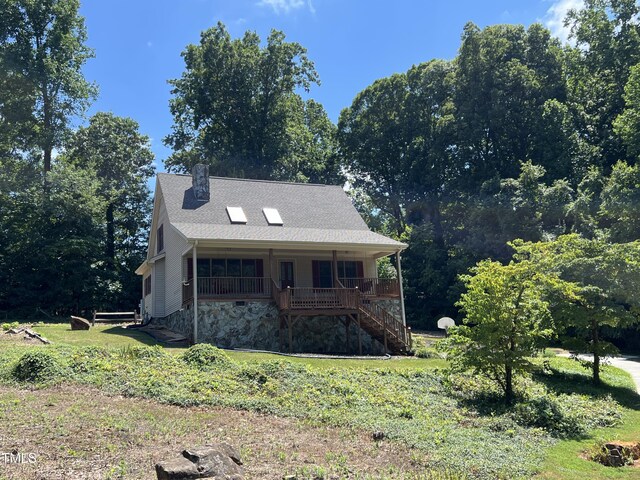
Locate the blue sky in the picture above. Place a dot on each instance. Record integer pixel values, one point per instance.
(138, 43)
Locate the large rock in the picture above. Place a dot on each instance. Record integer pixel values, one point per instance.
(220, 461)
(79, 323)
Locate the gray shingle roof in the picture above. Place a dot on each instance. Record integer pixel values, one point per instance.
(310, 213)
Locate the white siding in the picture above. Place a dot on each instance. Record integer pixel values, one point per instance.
(175, 245)
(158, 288)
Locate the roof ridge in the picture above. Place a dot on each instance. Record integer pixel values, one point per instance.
(252, 180)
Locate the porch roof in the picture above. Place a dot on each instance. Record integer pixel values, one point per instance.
(315, 238)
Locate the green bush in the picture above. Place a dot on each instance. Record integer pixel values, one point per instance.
(38, 365)
(141, 352)
(8, 326)
(204, 355)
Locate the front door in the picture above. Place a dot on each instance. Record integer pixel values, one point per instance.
(286, 274)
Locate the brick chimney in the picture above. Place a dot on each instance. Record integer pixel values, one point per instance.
(200, 182)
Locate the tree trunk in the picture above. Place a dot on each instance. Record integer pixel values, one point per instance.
(508, 385)
(110, 247)
(596, 352)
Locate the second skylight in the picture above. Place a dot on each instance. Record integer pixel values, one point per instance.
(273, 216)
(236, 215)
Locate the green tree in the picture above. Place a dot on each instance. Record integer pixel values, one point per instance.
(505, 78)
(120, 156)
(506, 319)
(48, 257)
(236, 108)
(627, 124)
(599, 283)
(42, 51)
(607, 36)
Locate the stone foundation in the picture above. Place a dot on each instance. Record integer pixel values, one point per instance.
(254, 325)
(392, 305)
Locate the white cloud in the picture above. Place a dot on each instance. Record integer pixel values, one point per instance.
(554, 19)
(287, 6)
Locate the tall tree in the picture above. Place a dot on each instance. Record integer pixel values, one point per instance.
(599, 283)
(395, 141)
(122, 160)
(627, 124)
(48, 256)
(42, 51)
(505, 76)
(607, 36)
(236, 108)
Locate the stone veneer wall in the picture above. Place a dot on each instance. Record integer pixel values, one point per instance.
(392, 305)
(254, 325)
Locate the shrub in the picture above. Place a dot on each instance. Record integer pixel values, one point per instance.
(424, 352)
(8, 326)
(544, 412)
(38, 365)
(205, 355)
(141, 352)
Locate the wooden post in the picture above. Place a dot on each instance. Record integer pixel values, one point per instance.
(335, 269)
(280, 319)
(359, 337)
(195, 292)
(271, 269)
(290, 333)
(404, 319)
(347, 322)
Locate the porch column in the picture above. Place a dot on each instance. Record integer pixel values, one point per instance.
(195, 291)
(271, 268)
(404, 319)
(336, 282)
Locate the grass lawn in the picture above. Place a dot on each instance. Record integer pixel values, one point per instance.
(111, 336)
(111, 405)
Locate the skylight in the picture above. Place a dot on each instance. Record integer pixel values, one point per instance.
(273, 216)
(236, 215)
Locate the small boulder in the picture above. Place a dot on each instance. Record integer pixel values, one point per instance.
(377, 435)
(79, 323)
(220, 461)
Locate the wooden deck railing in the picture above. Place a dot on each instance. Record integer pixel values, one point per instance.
(377, 287)
(317, 298)
(228, 287)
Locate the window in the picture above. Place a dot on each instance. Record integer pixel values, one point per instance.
(236, 215)
(322, 274)
(160, 238)
(350, 269)
(234, 268)
(204, 267)
(218, 267)
(231, 267)
(147, 286)
(273, 216)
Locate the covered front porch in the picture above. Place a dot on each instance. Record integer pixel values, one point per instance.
(312, 284)
(312, 279)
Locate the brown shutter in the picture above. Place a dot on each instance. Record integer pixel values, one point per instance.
(259, 268)
(189, 268)
(315, 264)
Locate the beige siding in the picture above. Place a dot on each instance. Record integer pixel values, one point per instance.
(175, 245)
(158, 287)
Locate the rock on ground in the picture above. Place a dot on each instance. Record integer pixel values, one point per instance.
(220, 461)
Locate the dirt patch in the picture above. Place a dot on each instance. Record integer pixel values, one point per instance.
(78, 432)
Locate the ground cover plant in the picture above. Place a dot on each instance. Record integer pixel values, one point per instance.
(454, 424)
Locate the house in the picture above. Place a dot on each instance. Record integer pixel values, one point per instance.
(269, 265)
